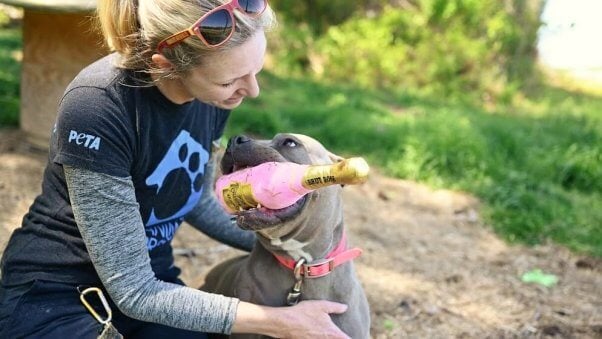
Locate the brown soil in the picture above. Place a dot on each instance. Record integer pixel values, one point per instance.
(430, 267)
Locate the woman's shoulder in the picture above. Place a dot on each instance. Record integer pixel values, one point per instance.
(101, 82)
(102, 73)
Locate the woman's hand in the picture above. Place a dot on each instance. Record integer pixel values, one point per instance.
(308, 319)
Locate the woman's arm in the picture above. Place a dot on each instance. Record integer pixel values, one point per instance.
(107, 215)
(109, 221)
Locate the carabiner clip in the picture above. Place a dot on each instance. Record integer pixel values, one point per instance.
(293, 296)
(103, 300)
(297, 270)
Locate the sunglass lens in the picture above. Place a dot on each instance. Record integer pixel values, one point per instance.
(216, 27)
(252, 6)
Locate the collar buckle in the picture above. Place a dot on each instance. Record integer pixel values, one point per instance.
(318, 268)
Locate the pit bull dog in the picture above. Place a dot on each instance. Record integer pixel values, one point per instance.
(301, 251)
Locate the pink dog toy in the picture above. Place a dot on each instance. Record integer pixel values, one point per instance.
(276, 185)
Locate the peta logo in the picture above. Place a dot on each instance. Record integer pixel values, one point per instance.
(87, 140)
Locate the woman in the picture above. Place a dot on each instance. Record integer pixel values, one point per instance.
(128, 158)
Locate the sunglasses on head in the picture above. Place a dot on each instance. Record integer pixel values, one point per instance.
(216, 26)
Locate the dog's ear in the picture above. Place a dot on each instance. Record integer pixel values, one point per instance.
(318, 154)
(325, 157)
(334, 158)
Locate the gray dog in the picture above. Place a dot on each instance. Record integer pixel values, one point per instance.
(300, 252)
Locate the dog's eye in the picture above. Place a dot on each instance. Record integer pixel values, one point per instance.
(289, 143)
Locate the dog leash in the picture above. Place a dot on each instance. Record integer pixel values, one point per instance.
(317, 268)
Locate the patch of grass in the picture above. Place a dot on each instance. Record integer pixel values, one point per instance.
(389, 325)
(536, 166)
(10, 49)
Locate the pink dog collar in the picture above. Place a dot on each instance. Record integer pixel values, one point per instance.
(322, 267)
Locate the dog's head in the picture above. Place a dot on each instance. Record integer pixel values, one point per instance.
(243, 152)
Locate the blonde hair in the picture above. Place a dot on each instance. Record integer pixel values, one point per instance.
(134, 28)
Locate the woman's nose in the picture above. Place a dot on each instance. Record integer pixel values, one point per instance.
(251, 86)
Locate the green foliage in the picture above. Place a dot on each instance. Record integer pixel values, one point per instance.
(443, 47)
(321, 14)
(289, 45)
(10, 47)
(535, 166)
(4, 18)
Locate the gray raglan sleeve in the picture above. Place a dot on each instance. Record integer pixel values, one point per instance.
(210, 218)
(108, 218)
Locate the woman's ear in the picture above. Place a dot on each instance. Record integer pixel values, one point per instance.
(161, 61)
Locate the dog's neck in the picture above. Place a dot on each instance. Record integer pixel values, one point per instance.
(309, 243)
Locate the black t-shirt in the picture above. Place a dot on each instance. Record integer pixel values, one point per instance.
(108, 122)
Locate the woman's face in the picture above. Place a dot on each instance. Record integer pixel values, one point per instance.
(225, 79)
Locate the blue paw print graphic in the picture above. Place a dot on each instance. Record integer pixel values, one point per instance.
(184, 161)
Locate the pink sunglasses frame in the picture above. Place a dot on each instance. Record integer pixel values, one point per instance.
(194, 29)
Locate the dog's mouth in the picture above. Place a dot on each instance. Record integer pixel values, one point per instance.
(261, 217)
(255, 219)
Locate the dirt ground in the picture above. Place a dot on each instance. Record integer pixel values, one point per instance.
(430, 267)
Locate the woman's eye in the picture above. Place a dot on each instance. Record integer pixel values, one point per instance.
(290, 143)
(227, 84)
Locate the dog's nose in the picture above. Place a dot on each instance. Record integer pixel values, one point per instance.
(238, 139)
